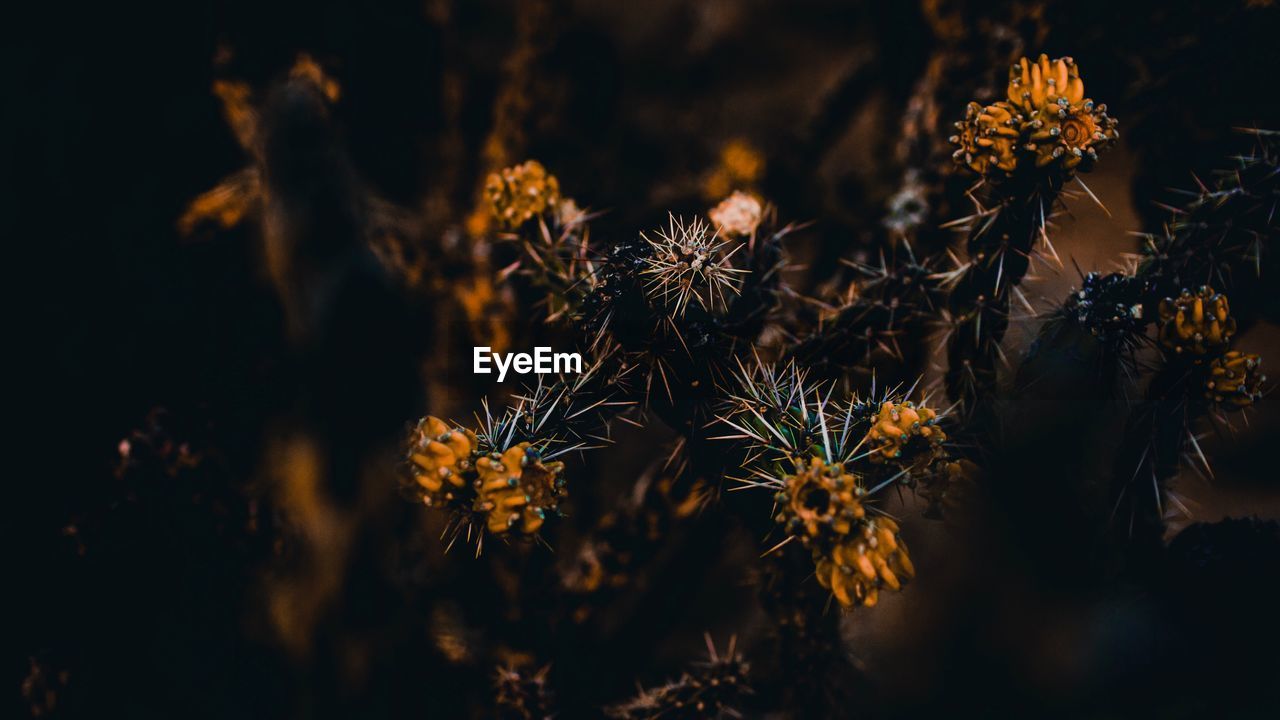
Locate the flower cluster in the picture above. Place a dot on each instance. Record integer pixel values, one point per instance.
(511, 490)
(872, 558)
(1199, 326)
(855, 554)
(988, 138)
(904, 433)
(821, 501)
(439, 458)
(1045, 120)
(1235, 380)
(1198, 323)
(520, 193)
(517, 489)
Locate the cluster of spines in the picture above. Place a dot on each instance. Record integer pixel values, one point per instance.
(690, 262)
(679, 303)
(864, 328)
(717, 688)
(780, 414)
(1110, 307)
(1222, 234)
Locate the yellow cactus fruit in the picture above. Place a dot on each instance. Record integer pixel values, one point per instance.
(820, 500)
(1060, 124)
(988, 137)
(1198, 323)
(517, 490)
(1235, 380)
(438, 456)
(1034, 85)
(894, 428)
(1069, 134)
(873, 558)
(1046, 119)
(517, 194)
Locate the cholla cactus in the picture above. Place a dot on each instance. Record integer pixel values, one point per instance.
(504, 476)
(554, 252)
(519, 193)
(1196, 323)
(1235, 380)
(715, 690)
(686, 303)
(1223, 233)
(690, 262)
(1026, 147)
(814, 455)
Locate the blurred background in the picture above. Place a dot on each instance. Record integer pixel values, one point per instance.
(211, 398)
